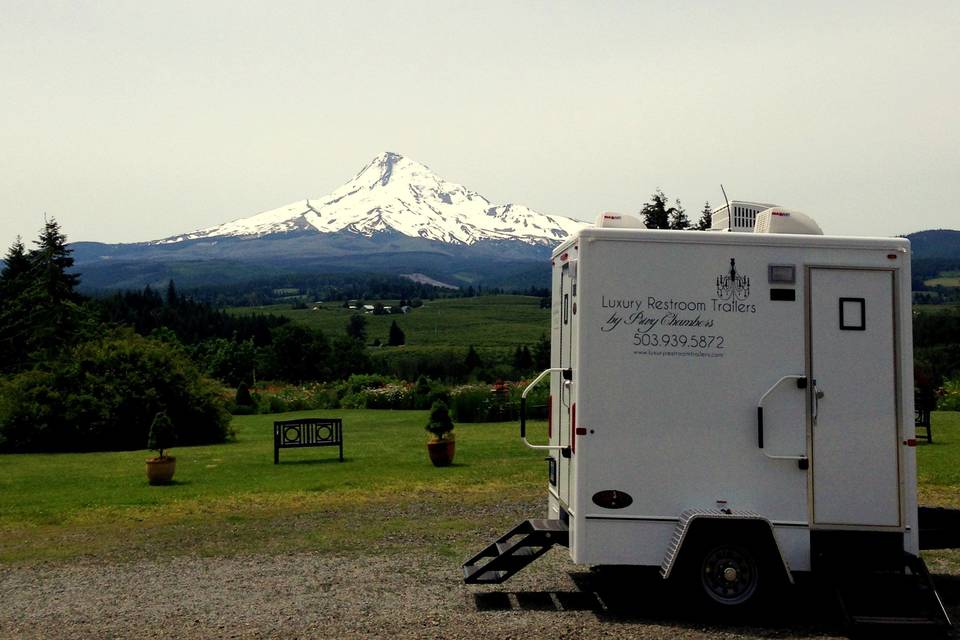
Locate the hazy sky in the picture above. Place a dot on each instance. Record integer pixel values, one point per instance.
(132, 121)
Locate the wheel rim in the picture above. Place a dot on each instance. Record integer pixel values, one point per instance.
(729, 575)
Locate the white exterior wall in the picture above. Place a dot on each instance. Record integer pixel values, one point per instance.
(676, 427)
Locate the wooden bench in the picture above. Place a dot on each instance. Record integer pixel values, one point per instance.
(307, 432)
(923, 403)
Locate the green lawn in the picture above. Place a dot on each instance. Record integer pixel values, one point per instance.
(938, 463)
(486, 321)
(231, 498)
(385, 498)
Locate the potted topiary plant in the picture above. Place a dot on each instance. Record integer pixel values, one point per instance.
(441, 446)
(160, 468)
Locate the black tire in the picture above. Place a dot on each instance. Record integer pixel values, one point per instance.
(730, 575)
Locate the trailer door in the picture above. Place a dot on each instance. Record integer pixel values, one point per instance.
(563, 397)
(853, 398)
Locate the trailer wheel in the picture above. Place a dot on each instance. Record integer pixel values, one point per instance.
(729, 574)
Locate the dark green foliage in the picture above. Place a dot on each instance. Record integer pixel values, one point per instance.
(348, 357)
(192, 321)
(472, 361)
(936, 344)
(41, 312)
(522, 360)
(396, 335)
(678, 218)
(706, 218)
(440, 424)
(243, 397)
(541, 354)
(232, 361)
(440, 363)
(656, 213)
(161, 435)
(103, 394)
(300, 353)
(357, 328)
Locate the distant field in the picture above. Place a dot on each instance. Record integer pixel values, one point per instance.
(944, 279)
(486, 321)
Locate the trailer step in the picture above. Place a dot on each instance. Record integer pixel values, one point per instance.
(514, 550)
(882, 602)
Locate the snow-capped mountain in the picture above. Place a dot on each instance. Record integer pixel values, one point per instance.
(394, 193)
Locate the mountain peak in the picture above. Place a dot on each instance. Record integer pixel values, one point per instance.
(380, 169)
(396, 193)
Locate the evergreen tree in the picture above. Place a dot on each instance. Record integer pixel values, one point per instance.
(50, 262)
(472, 361)
(172, 299)
(522, 360)
(13, 278)
(656, 213)
(678, 218)
(47, 312)
(706, 218)
(14, 310)
(541, 353)
(397, 337)
(357, 328)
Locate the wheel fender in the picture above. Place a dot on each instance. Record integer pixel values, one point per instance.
(701, 525)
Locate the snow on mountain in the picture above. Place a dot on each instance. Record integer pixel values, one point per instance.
(396, 193)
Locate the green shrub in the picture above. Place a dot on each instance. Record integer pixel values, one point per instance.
(950, 396)
(243, 397)
(440, 424)
(391, 396)
(103, 395)
(470, 403)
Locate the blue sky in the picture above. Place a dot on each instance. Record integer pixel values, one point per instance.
(131, 121)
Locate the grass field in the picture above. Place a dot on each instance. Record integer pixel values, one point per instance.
(486, 321)
(231, 498)
(386, 497)
(944, 279)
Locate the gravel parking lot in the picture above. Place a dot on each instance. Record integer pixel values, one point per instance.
(317, 596)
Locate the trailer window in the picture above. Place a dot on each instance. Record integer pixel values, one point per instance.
(853, 314)
(566, 308)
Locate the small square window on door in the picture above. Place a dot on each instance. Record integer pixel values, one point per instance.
(853, 314)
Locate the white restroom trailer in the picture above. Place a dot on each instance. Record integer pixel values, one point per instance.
(734, 408)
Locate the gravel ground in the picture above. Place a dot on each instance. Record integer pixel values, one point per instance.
(322, 596)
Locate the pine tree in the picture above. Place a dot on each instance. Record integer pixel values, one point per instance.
(396, 335)
(678, 217)
(50, 262)
(472, 361)
(13, 278)
(657, 214)
(172, 299)
(706, 218)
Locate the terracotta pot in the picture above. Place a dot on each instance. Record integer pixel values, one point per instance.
(441, 452)
(160, 470)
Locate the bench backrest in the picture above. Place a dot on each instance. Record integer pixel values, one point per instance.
(308, 432)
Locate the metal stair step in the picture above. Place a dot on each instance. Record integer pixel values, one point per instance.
(519, 549)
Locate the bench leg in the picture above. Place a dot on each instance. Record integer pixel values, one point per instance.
(276, 454)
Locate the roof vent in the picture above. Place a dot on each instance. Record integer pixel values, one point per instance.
(611, 220)
(780, 220)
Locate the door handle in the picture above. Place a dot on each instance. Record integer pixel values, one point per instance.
(801, 381)
(817, 395)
